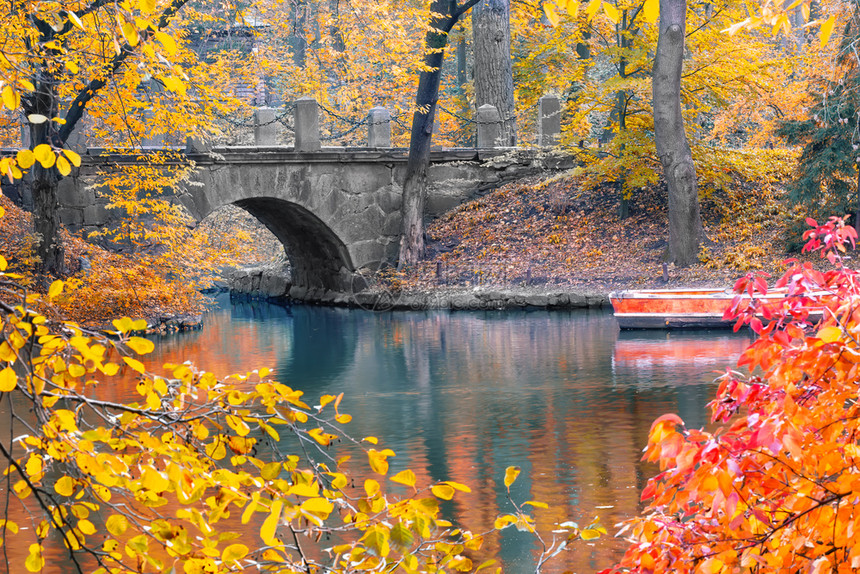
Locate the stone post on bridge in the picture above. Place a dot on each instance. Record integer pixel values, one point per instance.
(379, 128)
(489, 126)
(146, 138)
(77, 139)
(307, 124)
(549, 120)
(266, 128)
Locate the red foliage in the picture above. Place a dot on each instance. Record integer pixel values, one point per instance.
(776, 488)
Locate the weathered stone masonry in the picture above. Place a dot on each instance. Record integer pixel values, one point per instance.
(336, 210)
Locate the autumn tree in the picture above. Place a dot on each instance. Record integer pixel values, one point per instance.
(494, 80)
(673, 149)
(827, 174)
(63, 59)
(443, 17)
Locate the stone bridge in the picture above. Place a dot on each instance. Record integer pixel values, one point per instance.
(336, 210)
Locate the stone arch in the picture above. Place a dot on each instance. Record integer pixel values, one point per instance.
(319, 259)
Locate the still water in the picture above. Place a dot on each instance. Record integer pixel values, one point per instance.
(461, 396)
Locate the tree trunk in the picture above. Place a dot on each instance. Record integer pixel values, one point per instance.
(494, 79)
(44, 182)
(685, 223)
(444, 15)
(297, 39)
(462, 66)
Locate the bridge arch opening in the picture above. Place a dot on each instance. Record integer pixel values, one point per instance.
(318, 257)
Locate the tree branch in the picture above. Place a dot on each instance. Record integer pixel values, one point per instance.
(76, 109)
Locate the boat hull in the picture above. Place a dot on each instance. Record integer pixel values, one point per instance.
(672, 309)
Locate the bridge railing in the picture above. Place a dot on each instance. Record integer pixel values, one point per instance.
(306, 126)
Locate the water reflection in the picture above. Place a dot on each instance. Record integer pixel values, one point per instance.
(461, 396)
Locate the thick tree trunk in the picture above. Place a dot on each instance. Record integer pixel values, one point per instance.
(494, 79)
(444, 15)
(685, 223)
(297, 39)
(46, 221)
(44, 182)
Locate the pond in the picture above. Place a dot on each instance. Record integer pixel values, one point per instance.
(463, 395)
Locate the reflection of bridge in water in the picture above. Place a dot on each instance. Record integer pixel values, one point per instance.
(336, 210)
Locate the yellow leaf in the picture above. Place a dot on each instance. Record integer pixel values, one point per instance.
(129, 32)
(551, 14)
(34, 561)
(238, 425)
(123, 325)
(154, 480)
(651, 10)
(406, 477)
(3, 263)
(65, 486)
(443, 491)
(270, 525)
(134, 364)
(148, 7)
(63, 166)
(25, 159)
(589, 534)
(234, 552)
(573, 9)
(34, 465)
(45, 155)
(86, 527)
(174, 84)
(537, 504)
(55, 289)
(378, 462)
(371, 439)
(371, 487)
(318, 506)
(8, 380)
(829, 334)
(303, 489)
(73, 157)
(117, 524)
(11, 98)
(511, 474)
(592, 8)
(827, 29)
(140, 345)
(166, 41)
(611, 12)
(9, 525)
(504, 521)
(271, 470)
(458, 486)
